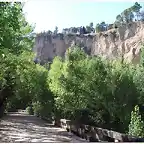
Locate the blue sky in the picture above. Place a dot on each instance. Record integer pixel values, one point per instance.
(46, 14)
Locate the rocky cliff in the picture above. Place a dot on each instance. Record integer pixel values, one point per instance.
(124, 41)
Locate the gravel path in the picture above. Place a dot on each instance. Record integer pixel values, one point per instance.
(20, 127)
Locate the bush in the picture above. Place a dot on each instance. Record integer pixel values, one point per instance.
(136, 126)
(30, 110)
(37, 108)
(43, 110)
(102, 92)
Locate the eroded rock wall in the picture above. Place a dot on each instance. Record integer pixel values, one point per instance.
(125, 41)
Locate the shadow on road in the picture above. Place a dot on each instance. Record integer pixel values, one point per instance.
(20, 127)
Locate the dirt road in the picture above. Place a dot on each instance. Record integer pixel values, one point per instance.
(20, 127)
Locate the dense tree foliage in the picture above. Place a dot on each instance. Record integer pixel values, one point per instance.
(128, 15)
(22, 83)
(106, 91)
(14, 29)
(83, 88)
(136, 126)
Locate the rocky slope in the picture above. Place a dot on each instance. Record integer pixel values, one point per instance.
(124, 41)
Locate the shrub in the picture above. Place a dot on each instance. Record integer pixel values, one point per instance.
(136, 126)
(30, 110)
(37, 108)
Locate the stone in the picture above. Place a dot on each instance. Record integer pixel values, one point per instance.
(125, 41)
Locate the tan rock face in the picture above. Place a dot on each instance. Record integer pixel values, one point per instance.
(125, 41)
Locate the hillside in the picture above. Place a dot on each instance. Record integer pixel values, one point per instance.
(124, 41)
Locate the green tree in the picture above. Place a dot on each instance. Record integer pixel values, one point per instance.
(128, 14)
(91, 26)
(105, 90)
(22, 82)
(56, 30)
(97, 28)
(14, 30)
(142, 56)
(15, 38)
(142, 15)
(88, 29)
(136, 126)
(136, 8)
